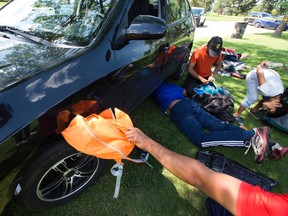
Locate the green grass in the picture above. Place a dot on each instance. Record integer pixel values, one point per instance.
(153, 192)
(2, 4)
(215, 17)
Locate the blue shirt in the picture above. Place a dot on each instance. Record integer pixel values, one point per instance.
(166, 93)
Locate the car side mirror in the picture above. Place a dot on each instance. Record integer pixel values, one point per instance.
(146, 27)
(143, 27)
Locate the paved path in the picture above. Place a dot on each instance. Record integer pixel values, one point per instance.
(224, 29)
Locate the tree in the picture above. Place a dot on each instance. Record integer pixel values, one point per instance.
(278, 7)
(268, 5)
(207, 4)
(236, 7)
(282, 26)
(282, 6)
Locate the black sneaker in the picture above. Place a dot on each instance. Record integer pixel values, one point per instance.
(239, 120)
(256, 114)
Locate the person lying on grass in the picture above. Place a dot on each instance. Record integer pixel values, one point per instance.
(205, 130)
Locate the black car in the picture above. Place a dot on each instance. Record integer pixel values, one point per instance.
(199, 15)
(54, 55)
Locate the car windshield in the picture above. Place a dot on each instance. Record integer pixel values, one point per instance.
(70, 22)
(196, 11)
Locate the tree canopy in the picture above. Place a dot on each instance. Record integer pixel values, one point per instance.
(236, 7)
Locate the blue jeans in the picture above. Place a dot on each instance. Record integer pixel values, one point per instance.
(205, 130)
(216, 209)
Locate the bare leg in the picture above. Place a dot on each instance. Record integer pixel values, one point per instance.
(239, 111)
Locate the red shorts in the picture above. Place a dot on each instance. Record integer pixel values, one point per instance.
(253, 200)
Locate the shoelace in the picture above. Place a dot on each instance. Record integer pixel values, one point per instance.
(248, 146)
(252, 143)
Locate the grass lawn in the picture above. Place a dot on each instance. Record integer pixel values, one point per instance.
(215, 17)
(2, 4)
(156, 192)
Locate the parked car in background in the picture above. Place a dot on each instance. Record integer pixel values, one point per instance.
(56, 56)
(268, 23)
(254, 15)
(200, 15)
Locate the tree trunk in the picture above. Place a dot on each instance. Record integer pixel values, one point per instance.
(282, 26)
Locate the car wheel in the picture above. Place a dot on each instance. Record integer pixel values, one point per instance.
(197, 22)
(203, 23)
(257, 25)
(59, 174)
(181, 68)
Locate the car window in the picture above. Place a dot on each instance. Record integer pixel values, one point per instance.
(259, 14)
(143, 7)
(72, 22)
(196, 11)
(177, 9)
(266, 15)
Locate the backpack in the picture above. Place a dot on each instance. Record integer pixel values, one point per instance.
(219, 163)
(280, 123)
(216, 100)
(104, 136)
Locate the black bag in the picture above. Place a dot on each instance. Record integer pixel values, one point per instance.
(219, 163)
(220, 105)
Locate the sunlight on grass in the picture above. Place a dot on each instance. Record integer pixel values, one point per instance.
(268, 40)
(215, 17)
(186, 191)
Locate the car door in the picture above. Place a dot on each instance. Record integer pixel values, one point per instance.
(269, 24)
(181, 29)
(136, 59)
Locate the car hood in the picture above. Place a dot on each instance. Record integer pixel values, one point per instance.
(21, 60)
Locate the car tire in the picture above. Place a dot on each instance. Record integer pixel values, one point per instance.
(257, 25)
(202, 23)
(198, 22)
(57, 175)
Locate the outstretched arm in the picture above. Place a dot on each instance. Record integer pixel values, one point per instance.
(220, 187)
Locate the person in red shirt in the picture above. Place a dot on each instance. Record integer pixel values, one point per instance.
(201, 62)
(238, 197)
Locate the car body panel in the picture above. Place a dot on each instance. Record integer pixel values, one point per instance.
(43, 80)
(268, 23)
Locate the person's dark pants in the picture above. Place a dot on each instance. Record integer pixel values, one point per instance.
(215, 209)
(193, 121)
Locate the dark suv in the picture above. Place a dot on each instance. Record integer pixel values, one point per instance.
(58, 54)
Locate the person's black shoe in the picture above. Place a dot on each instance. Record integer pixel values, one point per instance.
(256, 114)
(239, 120)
